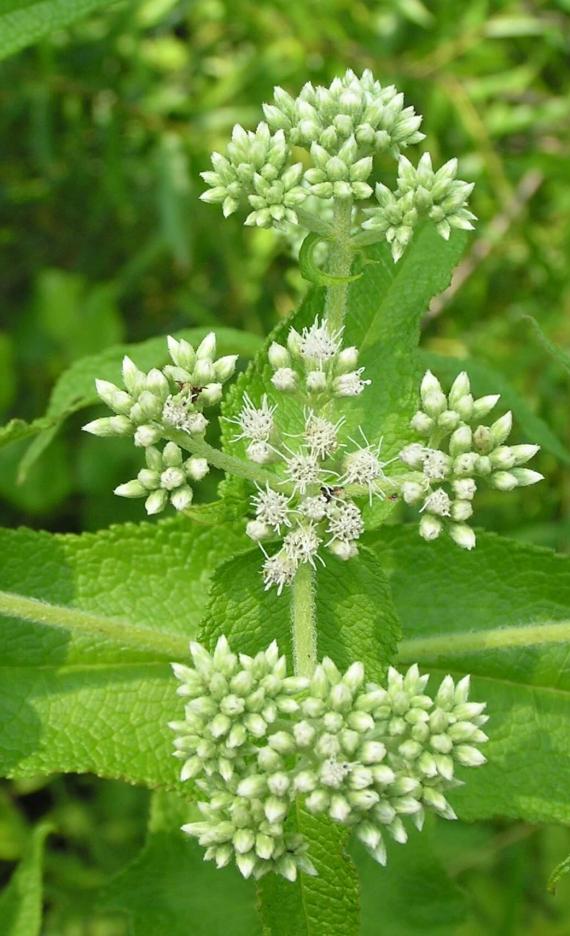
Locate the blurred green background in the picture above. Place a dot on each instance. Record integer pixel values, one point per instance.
(105, 128)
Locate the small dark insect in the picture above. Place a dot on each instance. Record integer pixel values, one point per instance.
(193, 392)
(393, 497)
(330, 492)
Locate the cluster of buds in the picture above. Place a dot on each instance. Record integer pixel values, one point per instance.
(317, 472)
(254, 741)
(457, 454)
(343, 127)
(315, 361)
(165, 478)
(420, 193)
(152, 406)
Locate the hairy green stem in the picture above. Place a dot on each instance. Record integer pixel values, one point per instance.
(340, 262)
(419, 649)
(303, 621)
(228, 463)
(159, 644)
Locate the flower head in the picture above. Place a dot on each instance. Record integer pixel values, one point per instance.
(459, 456)
(256, 741)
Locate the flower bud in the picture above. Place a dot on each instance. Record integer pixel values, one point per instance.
(203, 372)
(133, 378)
(461, 441)
(260, 453)
(464, 488)
(131, 489)
(526, 476)
(211, 394)
(461, 510)
(206, 350)
(422, 423)
(484, 405)
(157, 384)
(347, 360)
(500, 430)
(412, 455)
(147, 435)
(279, 356)
(483, 440)
(224, 367)
(463, 535)
(430, 527)
(448, 420)
(412, 491)
(502, 457)
(316, 381)
(285, 379)
(464, 406)
(116, 399)
(156, 501)
(459, 388)
(197, 468)
(109, 426)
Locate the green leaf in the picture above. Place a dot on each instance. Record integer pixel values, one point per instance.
(502, 613)
(412, 894)
(24, 23)
(21, 899)
(559, 871)
(18, 429)
(485, 379)
(385, 306)
(356, 621)
(170, 889)
(88, 626)
(562, 357)
(75, 389)
(312, 906)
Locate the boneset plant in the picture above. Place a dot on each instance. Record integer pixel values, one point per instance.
(289, 719)
(254, 739)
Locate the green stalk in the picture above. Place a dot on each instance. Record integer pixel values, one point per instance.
(340, 262)
(303, 621)
(228, 463)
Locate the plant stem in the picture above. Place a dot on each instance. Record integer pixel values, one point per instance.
(303, 621)
(228, 463)
(429, 649)
(340, 262)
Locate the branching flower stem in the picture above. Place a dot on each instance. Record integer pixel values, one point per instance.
(228, 463)
(340, 263)
(304, 621)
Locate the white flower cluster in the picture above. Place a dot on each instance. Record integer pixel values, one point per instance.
(342, 126)
(152, 405)
(254, 741)
(308, 506)
(420, 193)
(166, 478)
(350, 109)
(458, 454)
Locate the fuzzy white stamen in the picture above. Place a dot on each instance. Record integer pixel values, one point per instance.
(314, 508)
(302, 544)
(435, 464)
(345, 520)
(256, 422)
(279, 570)
(333, 772)
(350, 384)
(321, 435)
(317, 343)
(438, 502)
(303, 469)
(272, 508)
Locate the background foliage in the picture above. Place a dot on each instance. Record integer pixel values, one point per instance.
(106, 124)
